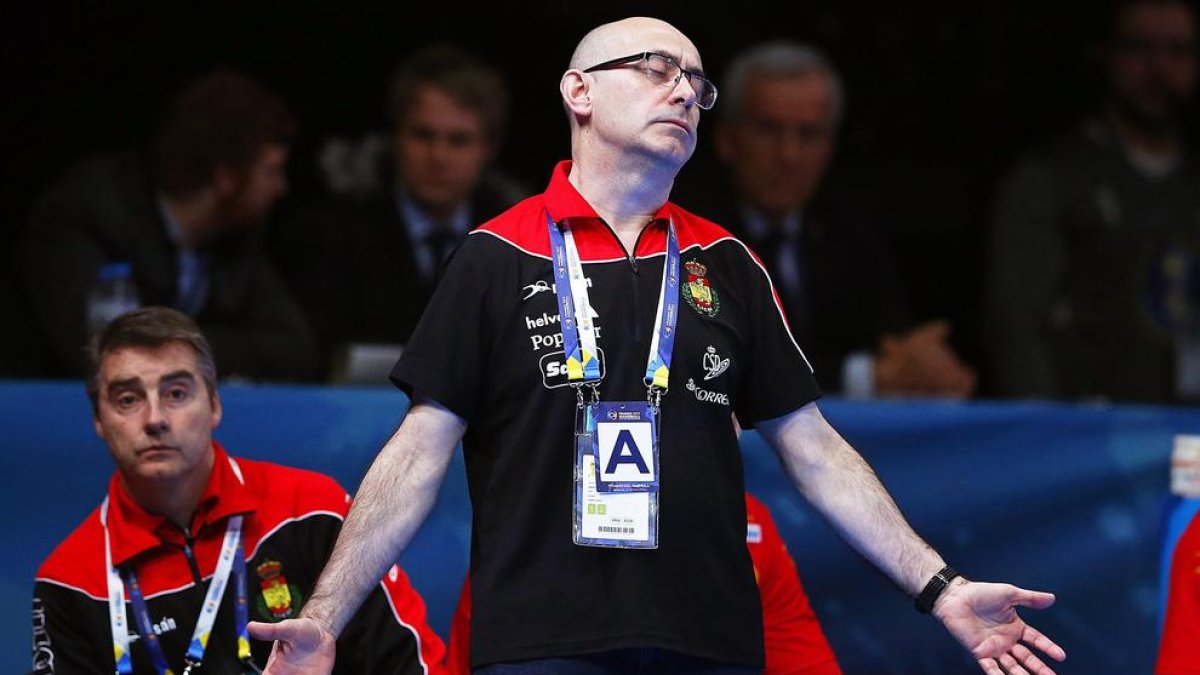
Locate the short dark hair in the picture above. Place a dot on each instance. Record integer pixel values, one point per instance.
(149, 327)
(225, 117)
(468, 79)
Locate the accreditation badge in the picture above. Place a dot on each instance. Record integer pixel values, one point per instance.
(625, 442)
(615, 518)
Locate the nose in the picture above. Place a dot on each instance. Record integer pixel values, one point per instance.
(156, 422)
(688, 94)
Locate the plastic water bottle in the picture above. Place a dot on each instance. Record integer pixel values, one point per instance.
(113, 294)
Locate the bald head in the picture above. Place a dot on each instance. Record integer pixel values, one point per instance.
(626, 36)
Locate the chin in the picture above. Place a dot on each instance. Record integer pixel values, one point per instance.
(160, 469)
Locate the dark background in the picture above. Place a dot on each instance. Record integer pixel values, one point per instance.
(940, 96)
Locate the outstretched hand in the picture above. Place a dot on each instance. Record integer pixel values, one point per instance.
(302, 646)
(983, 618)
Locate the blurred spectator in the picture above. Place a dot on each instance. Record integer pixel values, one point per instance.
(402, 203)
(1092, 284)
(186, 217)
(792, 636)
(1178, 649)
(781, 104)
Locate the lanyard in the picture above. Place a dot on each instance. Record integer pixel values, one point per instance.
(575, 316)
(232, 561)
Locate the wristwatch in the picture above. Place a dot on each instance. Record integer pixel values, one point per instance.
(934, 588)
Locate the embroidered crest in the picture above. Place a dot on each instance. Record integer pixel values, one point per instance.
(279, 599)
(698, 292)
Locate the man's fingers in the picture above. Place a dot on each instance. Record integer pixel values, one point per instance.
(303, 633)
(1033, 599)
(266, 632)
(1045, 645)
(1030, 660)
(1011, 666)
(990, 667)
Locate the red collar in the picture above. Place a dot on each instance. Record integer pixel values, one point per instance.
(134, 530)
(594, 239)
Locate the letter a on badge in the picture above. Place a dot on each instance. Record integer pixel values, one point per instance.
(625, 451)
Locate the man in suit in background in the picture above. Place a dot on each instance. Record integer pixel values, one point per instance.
(781, 104)
(366, 264)
(187, 216)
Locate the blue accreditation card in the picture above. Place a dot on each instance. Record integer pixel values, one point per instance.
(625, 444)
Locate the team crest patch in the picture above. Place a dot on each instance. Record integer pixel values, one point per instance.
(279, 599)
(698, 292)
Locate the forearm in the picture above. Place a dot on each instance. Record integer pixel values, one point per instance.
(393, 500)
(840, 483)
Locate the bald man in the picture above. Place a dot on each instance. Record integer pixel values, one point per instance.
(595, 398)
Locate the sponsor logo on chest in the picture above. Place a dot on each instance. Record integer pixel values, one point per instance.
(714, 365)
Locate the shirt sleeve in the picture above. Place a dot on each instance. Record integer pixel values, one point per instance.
(446, 356)
(780, 378)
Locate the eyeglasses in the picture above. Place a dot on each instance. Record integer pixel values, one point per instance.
(665, 72)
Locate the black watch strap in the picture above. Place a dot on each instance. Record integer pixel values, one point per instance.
(934, 588)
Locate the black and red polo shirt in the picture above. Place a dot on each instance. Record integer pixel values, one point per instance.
(292, 518)
(490, 349)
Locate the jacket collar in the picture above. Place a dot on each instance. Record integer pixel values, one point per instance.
(134, 530)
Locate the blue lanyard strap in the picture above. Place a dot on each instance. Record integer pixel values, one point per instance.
(141, 614)
(574, 308)
(232, 562)
(658, 367)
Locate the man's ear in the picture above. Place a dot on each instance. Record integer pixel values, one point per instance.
(217, 410)
(576, 90)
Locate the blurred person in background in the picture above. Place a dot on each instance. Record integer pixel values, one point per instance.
(366, 263)
(1092, 286)
(776, 133)
(186, 217)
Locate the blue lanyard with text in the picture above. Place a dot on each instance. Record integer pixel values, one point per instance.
(232, 562)
(575, 315)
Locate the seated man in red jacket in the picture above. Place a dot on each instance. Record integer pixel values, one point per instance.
(191, 543)
(1178, 649)
(795, 644)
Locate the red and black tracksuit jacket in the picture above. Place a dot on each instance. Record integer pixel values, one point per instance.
(291, 520)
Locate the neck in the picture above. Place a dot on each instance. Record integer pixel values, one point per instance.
(195, 215)
(1162, 139)
(626, 201)
(174, 499)
(442, 213)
